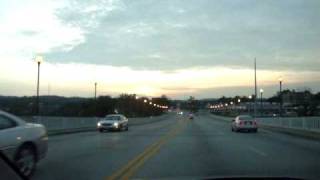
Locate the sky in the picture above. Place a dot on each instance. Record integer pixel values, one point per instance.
(203, 48)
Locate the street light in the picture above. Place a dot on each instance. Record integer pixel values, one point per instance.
(137, 97)
(239, 100)
(95, 98)
(150, 103)
(39, 60)
(231, 102)
(280, 96)
(249, 107)
(261, 92)
(145, 101)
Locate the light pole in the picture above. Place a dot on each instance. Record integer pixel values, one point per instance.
(261, 92)
(39, 60)
(249, 107)
(280, 97)
(95, 98)
(239, 110)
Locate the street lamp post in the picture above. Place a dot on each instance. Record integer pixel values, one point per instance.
(280, 97)
(249, 107)
(261, 106)
(95, 98)
(39, 60)
(239, 107)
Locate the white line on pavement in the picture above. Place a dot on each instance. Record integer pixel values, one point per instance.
(257, 151)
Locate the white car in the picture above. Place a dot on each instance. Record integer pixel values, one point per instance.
(23, 143)
(113, 122)
(244, 122)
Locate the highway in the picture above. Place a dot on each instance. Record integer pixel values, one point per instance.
(179, 148)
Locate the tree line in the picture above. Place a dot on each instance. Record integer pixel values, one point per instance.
(127, 104)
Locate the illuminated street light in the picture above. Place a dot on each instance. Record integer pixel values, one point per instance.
(231, 102)
(137, 97)
(239, 100)
(261, 106)
(145, 101)
(150, 103)
(250, 97)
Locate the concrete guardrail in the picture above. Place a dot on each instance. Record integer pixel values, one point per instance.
(62, 125)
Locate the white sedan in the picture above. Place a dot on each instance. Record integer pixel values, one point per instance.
(23, 143)
(244, 122)
(113, 122)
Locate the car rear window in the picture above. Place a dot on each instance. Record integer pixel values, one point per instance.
(246, 118)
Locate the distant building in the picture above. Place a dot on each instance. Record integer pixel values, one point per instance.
(293, 98)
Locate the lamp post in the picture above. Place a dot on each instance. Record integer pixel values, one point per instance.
(249, 107)
(39, 60)
(261, 92)
(280, 97)
(95, 98)
(239, 107)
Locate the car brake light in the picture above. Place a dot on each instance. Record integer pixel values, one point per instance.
(255, 122)
(240, 122)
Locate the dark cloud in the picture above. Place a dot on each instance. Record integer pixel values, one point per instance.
(281, 34)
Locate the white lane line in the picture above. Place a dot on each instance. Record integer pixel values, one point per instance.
(261, 153)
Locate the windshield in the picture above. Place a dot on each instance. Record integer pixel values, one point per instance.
(115, 118)
(160, 89)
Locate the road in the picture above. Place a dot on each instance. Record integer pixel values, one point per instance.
(179, 148)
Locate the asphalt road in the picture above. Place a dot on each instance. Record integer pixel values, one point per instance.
(179, 148)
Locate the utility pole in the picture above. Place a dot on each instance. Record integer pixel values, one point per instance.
(255, 88)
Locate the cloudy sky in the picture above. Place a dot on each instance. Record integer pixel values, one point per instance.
(151, 47)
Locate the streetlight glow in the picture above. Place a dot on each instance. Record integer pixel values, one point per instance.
(231, 102)
(39, 59)
(250, 97)
(261, 90)
(145, 101)
(239, 100)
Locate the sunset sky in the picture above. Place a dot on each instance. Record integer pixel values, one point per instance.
(175, 47)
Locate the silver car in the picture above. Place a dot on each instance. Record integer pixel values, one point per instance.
(113, 122)
(244, 122)
(23, 143)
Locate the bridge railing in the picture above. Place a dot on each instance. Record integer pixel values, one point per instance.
(69, 123)
(305, 123)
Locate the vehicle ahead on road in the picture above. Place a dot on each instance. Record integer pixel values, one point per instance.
(23, 143)
(190, 116)
(244, 122)
(113, 122)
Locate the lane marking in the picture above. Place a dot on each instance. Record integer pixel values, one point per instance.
(261, 153)
(133, 165)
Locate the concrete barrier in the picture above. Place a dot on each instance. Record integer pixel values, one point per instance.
(62, 125)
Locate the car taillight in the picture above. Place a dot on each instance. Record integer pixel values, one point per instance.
(255, 123)
(240, 122)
